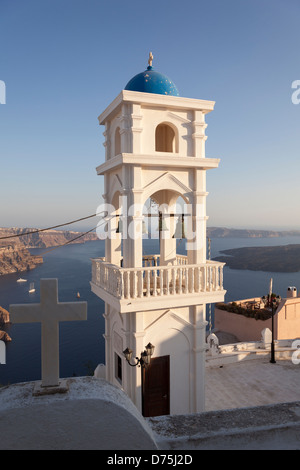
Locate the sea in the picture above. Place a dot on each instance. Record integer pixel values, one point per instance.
(82, 345)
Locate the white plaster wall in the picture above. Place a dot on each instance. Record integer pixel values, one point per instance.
(115, 330)
(173, 337)
(180, 120)
(110, 137)
(155, 179)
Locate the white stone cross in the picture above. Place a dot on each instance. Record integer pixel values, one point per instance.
(49, 312)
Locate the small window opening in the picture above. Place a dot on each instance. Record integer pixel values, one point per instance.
(117, 141)
(165, 138)
(118, 368)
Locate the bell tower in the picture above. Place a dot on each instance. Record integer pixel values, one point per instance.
(155, 150)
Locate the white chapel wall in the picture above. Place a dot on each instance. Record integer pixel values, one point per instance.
(172, 335)
(180, 120)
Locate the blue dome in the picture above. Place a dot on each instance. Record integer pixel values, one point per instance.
(151, 81)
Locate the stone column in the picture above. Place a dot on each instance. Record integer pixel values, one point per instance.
(197, 221)
(199, 348)
(133, 243)
(107, 142)
(125, 131)
(167, 243)
(134, 339)
(198, 135)
(139, 346)
(136, 129)
(108, 345)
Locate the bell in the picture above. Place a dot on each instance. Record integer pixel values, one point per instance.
(120, 227)
(144, 228)
(179, 231)
(162, 226)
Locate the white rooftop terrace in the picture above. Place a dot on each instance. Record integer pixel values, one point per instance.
(254, 382)
(250, 404)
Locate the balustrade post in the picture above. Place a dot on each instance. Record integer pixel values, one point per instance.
(197, 280)
(133, 274)
(147, 283)
(192, 280)
(174, 272)
(154, 282)
(127, 284)
(140, 283)
(180, 281)
(216, 268)
(122, 285)
(167, 281)
(161, 281)
(186, 290)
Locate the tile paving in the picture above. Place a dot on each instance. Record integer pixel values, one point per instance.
(252, 383)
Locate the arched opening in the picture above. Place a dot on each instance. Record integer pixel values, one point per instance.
(164, 235)
(117, 141)
(165, 138)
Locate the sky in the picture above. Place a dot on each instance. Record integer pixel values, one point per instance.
(64, 61)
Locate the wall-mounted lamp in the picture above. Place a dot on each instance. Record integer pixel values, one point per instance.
(145, 358)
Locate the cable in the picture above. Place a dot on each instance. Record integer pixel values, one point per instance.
(49, 228)
(105, 220)
(67, 223)
(67, 243)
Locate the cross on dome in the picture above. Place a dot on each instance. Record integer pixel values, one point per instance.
(151, 81)
(150, 59)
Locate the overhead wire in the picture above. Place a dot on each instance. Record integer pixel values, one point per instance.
(61, 225)
(105, 220)
(68, 242)
(64, 224)
(48, 228)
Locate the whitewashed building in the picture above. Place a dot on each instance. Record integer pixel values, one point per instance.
(155, 148)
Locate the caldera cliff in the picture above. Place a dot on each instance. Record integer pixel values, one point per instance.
(14, 259)
(15, 242)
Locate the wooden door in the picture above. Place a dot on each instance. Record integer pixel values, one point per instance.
(156, 387)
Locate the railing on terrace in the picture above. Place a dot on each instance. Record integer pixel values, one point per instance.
(154, 280)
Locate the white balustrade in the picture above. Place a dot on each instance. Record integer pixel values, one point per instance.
(152, 279)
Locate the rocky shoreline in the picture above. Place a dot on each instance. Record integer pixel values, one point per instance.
(15, 260)
(4, 319)
(14, 254)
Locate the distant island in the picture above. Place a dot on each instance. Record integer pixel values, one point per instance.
(223, 232)
(285, 258)
(14, 252)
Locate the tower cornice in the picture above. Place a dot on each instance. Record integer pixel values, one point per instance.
(159, 160)
(151, 99)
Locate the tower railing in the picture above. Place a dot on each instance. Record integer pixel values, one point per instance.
(154, 280)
